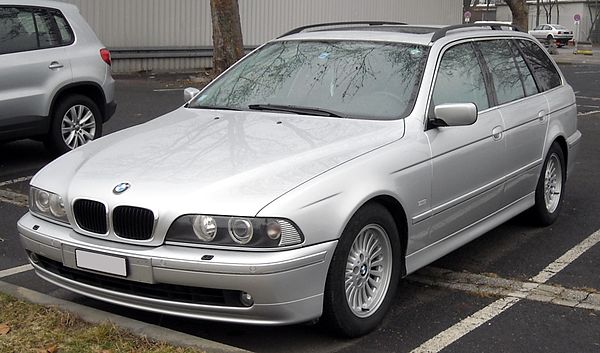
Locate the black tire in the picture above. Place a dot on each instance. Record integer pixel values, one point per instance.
(54, 141)
(545, 214)
(337, 313)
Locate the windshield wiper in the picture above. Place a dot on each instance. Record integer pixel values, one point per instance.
(212, 107)
(297, 109)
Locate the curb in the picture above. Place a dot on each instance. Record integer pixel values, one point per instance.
(139, 328)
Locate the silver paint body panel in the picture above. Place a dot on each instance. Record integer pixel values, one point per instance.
(453, 184)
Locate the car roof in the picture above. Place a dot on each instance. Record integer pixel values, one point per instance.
(41, 3)
(417, 34)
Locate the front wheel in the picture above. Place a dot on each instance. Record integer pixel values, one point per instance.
(364, 273)
(550, 187)
(75, 122)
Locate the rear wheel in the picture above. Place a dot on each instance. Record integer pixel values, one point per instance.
(364, 273)
(550, 187)
(75, 122)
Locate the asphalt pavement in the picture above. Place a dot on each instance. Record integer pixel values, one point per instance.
(484, 297)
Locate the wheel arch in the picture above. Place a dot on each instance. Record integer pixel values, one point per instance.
(89, 89)
(394, 207)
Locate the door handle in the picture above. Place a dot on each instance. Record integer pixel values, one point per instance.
(497, 133)
(55, 65)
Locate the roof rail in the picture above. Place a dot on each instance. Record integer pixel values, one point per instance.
(441, 33)
(370, 23)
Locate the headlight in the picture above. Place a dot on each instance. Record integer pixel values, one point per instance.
(47, 204)
(234, 231)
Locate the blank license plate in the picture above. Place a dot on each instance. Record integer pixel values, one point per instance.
(113, 265)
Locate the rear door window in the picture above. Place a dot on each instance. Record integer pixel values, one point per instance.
(17, 30)
(544, 70)
(506, 78)
(526, 75)
(460, 78)
(47, 30)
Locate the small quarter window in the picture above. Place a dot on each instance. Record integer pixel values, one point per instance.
(66, 34)
(460, 79)
(544, 70)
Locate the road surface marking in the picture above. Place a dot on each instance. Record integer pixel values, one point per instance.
(588, 98)
(15, 270)
(470, 323)
(14, 181)
(14, 198)
(591, 112)
(497, 286)
(168, 89)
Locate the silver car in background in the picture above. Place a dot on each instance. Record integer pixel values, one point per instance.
(56, 82)
(306, 180)
(549, 32)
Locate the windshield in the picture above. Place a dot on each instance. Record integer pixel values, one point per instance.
(560, 27)
(351, 79)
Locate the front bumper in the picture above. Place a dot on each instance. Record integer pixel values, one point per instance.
(287, 286)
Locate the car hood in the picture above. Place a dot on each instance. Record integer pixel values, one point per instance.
(216, 162)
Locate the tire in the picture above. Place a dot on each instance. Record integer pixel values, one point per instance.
(370, 223)
(550, 188)
(68, 114)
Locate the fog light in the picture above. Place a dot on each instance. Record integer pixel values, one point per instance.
(246, 299)
(34, 258)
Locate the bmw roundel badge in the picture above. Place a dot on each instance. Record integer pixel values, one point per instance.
(120, 188)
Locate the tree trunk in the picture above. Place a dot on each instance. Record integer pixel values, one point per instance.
(520, 13)
(227, 34)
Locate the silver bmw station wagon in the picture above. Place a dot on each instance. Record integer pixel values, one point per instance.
(306, 180)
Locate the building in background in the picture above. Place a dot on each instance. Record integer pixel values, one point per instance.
(560, 12)
(176, 35)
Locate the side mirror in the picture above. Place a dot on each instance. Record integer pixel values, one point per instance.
(190, 93)
(455, 114)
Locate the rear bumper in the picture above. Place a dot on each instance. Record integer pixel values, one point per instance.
(287, 286)
(110, 110)
(573, 143)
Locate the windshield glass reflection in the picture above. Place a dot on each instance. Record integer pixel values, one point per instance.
(365, 80)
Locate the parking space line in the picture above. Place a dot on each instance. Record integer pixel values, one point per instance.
(470, 323)
(588, 113)
(15, 270)
(588, 98)
(16, 180)
(497, 286)
(13, 198)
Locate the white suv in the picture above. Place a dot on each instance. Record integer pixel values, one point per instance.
(56, 81)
